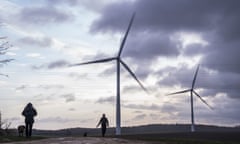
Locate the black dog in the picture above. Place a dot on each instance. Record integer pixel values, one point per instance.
(21, 129)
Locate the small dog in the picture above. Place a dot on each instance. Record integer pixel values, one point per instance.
(85, 134)
(21, 129)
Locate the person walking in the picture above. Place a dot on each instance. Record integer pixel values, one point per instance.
(104, 124)
(29, 113)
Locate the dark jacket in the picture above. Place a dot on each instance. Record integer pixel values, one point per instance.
(29, 112)
(104, 122)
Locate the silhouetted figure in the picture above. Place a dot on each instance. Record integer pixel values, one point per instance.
(29, 112)
(104, 124)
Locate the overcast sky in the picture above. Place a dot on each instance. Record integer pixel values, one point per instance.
(167, 41)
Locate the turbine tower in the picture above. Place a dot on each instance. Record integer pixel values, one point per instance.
(192, 92)
(119, 61)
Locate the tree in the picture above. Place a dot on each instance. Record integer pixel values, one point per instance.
(4, 126)
(4, 46)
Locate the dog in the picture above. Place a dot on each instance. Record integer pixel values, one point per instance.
(21, 129)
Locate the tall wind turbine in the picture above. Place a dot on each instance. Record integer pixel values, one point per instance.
(119, 61)
(192, 91)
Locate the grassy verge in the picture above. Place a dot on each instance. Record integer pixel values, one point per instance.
(185, 141)
(19, 139)
(187, 138)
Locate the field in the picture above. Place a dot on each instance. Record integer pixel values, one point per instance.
(148, 134)
(163, 138)
(189, 138)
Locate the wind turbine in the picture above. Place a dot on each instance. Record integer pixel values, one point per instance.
(192, 91)
(119, 61)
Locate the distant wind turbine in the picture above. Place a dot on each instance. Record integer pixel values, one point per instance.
(119, 61)
(192, 91)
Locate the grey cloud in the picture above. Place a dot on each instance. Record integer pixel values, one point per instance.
(35, 67)
(56, 86)
(72, 109)
(137, 111)
(51, 65)
(22, 87)
(38, 96)
(148, 46)
(131, 89)
(212, 83)
(167, 107)
(111, 100)
(228, 108)
(155, 116)
(98, 56)
(94, 5)
(58, 64)
(110, 20)
(78, 76)
(59, 2)
(222, 56)
(228, 26)
(142, 69)
(139, 117)
(142, 107)
(170, 15)
(44, 15)
(43, 42)
(193, 50)
(106, 100)
(69, 97)
(157, 20)
(176, 76)
(221, 83)
(55, 119)
(86, 120)
(108, 71)
(43, 97)
(225, 112)
(15, 119)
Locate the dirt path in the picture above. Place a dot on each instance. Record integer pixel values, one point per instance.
(89, 140)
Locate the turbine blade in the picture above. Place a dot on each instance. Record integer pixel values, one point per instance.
(179, 92)
(93, 62)
(133, 75)
(195, 77)
(202, 99)
(125, 36)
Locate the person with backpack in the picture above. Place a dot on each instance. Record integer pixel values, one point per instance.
(29, 113)
(104, 124)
